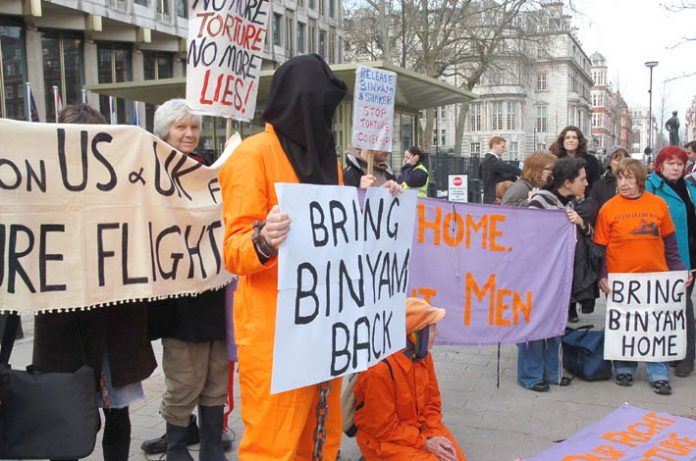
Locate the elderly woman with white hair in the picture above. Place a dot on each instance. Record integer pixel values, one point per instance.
(192, 329)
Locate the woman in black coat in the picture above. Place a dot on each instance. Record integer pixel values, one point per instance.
(113, 341)
(572, 143)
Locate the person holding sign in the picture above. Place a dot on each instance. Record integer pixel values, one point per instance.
(414, 174)
(398, 404)
(539, 362)
(367, 168)
(192, 329)
(297, 146)
(637, 231)
(112, 340)
(667, 182)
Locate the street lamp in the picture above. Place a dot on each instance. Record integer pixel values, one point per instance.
(650, 65)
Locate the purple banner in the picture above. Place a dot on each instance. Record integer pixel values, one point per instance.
(629, 434)
(503, 274)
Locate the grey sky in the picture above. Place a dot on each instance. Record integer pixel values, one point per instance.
(630, 32)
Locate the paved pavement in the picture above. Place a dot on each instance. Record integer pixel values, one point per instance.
(492, 423)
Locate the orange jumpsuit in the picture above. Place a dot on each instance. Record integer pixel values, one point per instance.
(280, 426)
(401, 412)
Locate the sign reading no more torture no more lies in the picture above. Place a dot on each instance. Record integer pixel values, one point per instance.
(342, 281)
(225, 46)
(646, 317)
(95, 214)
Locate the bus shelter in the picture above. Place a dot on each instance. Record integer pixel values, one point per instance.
(414, 93)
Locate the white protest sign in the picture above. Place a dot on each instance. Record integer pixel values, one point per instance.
(225, 46)
(646, 317)
(458, 188)
(373, 109)
(342, 280)
(96, 214)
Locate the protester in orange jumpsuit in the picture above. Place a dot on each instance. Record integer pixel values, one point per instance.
(398, 405)
(297, 146)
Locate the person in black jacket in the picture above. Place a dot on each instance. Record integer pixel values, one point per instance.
(605, 187)
(113, 341)
(572, 143)
(355, 171)
(495, 170)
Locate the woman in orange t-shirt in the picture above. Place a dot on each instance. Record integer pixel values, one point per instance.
(636, 229)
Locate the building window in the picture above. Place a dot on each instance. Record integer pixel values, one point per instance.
(155, 67)
(12, 89)
(434, 137)
(312, 4)
(321, 7)
(163, 7)
(442, 112)
(181, 8)
(277, 23)
(511, 115)
(301, 29)
(475, 148)
(113, 66)
(332, 8)
(496, 115)
(541, 81)
(513, 150)
(332, 47)
(141, 2)
(62, 65)
(289, 39)
(312, 36)
(322, 43)
(542, 120)
(595, 100)
(475, 116)
(443, 137)
(595, 120)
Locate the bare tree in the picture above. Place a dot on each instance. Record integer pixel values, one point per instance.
(459, 40)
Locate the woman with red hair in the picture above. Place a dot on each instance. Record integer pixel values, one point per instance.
(667, 182)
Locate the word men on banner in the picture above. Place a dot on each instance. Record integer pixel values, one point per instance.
(373, 108)
(629, 434)
(225, 46)
(95, 214)
(503, 273)
(646, 317)
(342, 280)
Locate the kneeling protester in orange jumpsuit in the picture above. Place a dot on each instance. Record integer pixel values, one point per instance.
(398, 406)
(297, 146)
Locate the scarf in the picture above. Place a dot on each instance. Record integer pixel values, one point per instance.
(301, 103)
(417, 344)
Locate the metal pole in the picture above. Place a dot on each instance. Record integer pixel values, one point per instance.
(650, 113)
(650, 65)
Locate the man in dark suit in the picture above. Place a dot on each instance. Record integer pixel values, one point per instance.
(495, 170)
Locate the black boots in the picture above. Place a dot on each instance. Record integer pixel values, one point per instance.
(177, 449)
(211, 423)
(159, 444)
(117, 432)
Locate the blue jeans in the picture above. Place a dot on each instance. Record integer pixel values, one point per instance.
(657, 371)
(539, 362)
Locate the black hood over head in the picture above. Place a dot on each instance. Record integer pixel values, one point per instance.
(301, 104)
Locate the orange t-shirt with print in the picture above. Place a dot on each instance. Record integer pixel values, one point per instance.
(632, 230)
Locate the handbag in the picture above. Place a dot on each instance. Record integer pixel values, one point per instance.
(583, 353)
(45, 415)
